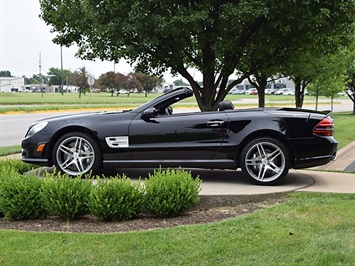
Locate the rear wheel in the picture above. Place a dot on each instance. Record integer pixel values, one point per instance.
(76, 153)
(265, 161)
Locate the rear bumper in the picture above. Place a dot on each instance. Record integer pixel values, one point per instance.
(314, 151)
(314, 161)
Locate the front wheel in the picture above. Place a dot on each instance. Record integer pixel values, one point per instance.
(265, 161)
(76, 153)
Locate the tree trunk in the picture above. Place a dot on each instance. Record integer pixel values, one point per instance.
(300, 88)
(317, 96)
(207, 97)
(298, 101)
(351, 95)
(331, 104)
(260, 83)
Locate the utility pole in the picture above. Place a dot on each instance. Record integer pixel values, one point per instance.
(61, 64)
(40, 74)
(40, 67)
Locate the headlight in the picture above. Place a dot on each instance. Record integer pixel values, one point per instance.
(36, 128)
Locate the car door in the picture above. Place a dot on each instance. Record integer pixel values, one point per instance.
(178, 137)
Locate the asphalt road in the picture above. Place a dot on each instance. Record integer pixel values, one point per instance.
(13, 127)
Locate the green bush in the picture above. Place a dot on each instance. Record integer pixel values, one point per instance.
(116, 199)
(171, 192)
(15, 165)
(65, 196)
(20, 197)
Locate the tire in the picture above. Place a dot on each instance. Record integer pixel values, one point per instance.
(76, 153)
(265, 161)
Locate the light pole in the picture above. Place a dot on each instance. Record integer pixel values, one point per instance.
(61, 67)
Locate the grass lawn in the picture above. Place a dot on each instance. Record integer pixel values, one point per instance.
(310, 229)
(29, 102)
(344, 128)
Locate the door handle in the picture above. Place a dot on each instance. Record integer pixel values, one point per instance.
(215, 123)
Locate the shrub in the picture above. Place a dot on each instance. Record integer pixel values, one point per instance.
(65, 196)
(116, 199)
(20, 197)
(16, 165)
(171, 192)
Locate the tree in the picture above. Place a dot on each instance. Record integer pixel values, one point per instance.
(351, 87)
(112, 81)
(180, 82)
(131, 83)
(147, 82)
(215, 37)
(350, 73)
(36, 79)
(334, 86)
(55, 75)
(329, 87)
(259, 81)
(79, 78)
(318, 68)
(5, 73)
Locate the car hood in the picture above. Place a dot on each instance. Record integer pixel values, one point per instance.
(76, 116)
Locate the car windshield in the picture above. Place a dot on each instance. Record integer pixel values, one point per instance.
(166, 99)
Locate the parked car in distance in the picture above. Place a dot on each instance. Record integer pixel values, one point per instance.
(251, 91)
(288, 92)
(237, 92)
(264, 142)
(122, 91)
(269, 91)
(278, 92)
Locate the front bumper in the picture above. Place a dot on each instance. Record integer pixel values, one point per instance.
(35, 153)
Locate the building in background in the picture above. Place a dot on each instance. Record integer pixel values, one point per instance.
(11, 84)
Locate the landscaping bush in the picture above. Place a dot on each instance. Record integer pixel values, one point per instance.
(20, 197)
(116, 199)
(15, 165)
(171, 192)
(65, 196)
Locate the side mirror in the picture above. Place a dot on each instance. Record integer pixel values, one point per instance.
(149, 113)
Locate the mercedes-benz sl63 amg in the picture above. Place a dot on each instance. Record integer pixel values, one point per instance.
(264, 142)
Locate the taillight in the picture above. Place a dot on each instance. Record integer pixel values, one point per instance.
(324, 128)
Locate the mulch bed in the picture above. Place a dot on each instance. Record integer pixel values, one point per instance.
(90, 224)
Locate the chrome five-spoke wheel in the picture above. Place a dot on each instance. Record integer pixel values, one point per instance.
(76, 154)
(265, 161)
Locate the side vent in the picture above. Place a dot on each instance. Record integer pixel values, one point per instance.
(117, 141)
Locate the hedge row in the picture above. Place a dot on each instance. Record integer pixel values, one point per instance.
(164, 193)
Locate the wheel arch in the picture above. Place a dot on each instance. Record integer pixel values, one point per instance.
(266, 133)
(64, 131)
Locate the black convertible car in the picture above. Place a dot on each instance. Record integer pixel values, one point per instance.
(264, 142)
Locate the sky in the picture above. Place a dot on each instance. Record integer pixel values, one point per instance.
(26, 40)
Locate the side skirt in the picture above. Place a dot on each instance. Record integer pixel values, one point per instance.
(207, 164)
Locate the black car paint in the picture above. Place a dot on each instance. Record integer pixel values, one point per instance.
(198, 139)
